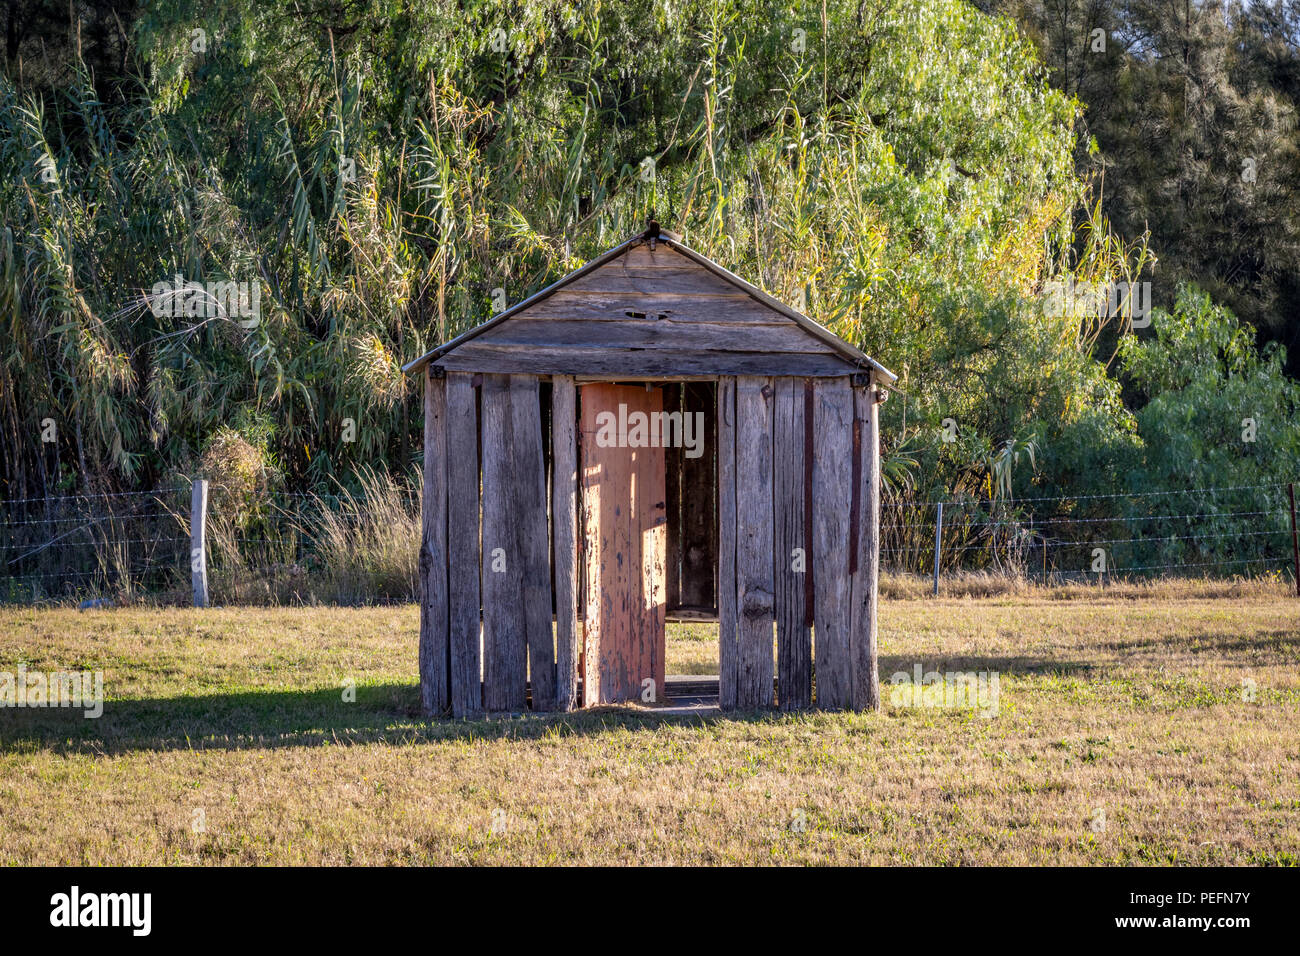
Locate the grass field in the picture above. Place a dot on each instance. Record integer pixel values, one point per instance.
(233, 722)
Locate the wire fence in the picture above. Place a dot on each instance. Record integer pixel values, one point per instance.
(260, 546)
(1226, 530)
(362, 547)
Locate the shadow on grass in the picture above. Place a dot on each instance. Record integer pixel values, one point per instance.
(1281, 643)
(893, 664)
(381, 713)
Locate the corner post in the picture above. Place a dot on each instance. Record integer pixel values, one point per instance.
(199, 542)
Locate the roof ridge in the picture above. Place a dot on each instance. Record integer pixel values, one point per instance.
(655, 233)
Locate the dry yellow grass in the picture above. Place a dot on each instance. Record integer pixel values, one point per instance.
(236, 717)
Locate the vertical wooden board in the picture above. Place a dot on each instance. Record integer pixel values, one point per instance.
(673, 496)
(754, 587)
(623, 491)
(866, 578)
(832, 497)
(434, 647)
(529, 508)
(618, 594)
(790, 551)
(699, 498)
(504, 632)
(564, 538)
(650, 512)
(726, 442)
(463, 545)
(590, 479)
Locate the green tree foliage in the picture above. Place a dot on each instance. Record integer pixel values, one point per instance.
(1191, 110)
(902, 171)
(1213, 410)
(1213, 413)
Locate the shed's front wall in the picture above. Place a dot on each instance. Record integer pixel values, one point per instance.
(798, 492)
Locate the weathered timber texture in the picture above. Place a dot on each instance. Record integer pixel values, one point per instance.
(463, 545)
(727, 305)
(625, 518)
(504, 629)
(435, 653)
(637, 363)
(754, 587)
(791, 562)
(866, 578)
(564, 537)
(667, 333)
(662, 271)
(649, 504)
(832, 495)
(728, 653)
(649, 313)
(528, 501)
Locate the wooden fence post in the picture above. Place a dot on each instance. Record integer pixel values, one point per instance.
(198, 542)
(938, 544)
(1295, 543)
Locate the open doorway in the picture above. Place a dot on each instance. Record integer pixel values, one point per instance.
(649, 527)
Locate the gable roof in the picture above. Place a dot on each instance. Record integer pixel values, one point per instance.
(834, 347)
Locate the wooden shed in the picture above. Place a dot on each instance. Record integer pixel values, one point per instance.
(649, 437)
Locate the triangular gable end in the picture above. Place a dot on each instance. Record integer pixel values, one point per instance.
(654, 308)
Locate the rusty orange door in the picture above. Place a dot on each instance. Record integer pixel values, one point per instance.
(625, 520)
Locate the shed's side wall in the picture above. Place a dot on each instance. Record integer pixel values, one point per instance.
(866, 578)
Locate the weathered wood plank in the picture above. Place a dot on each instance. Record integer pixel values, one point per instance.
(699, 500)
(733, 308)
(617, 279)
(666, 270)
(564, 537)
(754, 587)
(476, 356)
(866, 578)
(660, 257)
(727, 625)
(529, 507)
(650, 511)
(791, 561)
(504, 629)
(653, 334)
(463, 545)
(623, 499)
(434, 615)
(591, 616)
(832, 467)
